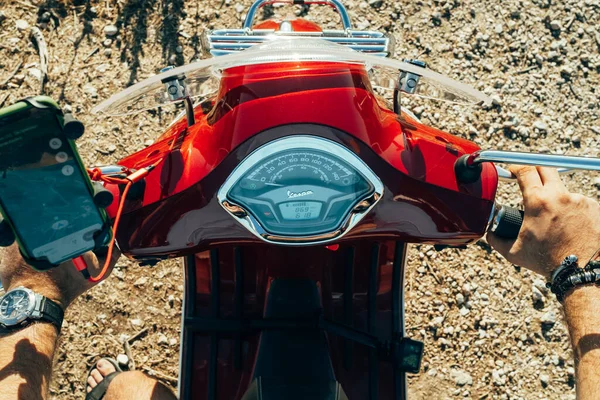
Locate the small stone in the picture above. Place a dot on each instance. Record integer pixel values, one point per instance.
(107, 42)
(540, 125)
(540, 284)
(162, 339)
(22, 25)
(571, 372)
(549, 318)
(375, 3)
(2, 16)
(107, 52)
(498, 28)
(516, 14)
(239, 8)
(460, 299)
(172, 342)
(102, 68)
(597, 182)
(436, 322)
(576, 140)
(123, 360)
(462, 378)
(536, 295)
(463, 311)
(544, 379)
(539, 59)
(136, 322)
(436, 17)
(498, 377)
(141, 281)
(90, 91)
(555, 25)
(111, 30)
(554, 56)
(36, 73)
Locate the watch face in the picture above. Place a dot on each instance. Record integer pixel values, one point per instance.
(15, 306)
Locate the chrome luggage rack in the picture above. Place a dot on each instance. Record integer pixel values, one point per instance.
(226, 41)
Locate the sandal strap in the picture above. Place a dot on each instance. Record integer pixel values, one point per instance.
(99, 391)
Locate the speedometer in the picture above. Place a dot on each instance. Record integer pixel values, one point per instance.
(299, 187)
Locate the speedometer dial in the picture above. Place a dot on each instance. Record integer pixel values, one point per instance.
(300, 186)
(299, 166)
(299, 190)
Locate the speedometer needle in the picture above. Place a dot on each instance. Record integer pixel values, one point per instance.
(273, 184)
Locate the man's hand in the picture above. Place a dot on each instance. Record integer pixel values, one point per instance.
(62, 284)
(556, 223)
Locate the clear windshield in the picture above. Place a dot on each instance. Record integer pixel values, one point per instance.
(202, 77)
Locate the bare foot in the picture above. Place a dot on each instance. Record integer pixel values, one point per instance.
(102, 369)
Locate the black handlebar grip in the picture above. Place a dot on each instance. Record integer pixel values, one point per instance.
(72, 127)
(507, 223)
(7, 237)
(102, 196)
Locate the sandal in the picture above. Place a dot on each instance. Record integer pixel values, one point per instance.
(99, 391)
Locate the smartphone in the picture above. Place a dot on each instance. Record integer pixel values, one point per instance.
(45, 193)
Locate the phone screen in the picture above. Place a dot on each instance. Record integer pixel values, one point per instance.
(42, 188)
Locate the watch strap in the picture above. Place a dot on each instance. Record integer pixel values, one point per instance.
(51, 312)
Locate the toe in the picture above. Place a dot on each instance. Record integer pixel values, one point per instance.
(105, 367)
(96, 376)
(91, 383)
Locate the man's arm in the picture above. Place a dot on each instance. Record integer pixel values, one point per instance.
(26, 362)
(582, 312)
(26, 354)
(557, 224)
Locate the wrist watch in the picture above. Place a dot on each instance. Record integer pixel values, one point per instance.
(21, 306)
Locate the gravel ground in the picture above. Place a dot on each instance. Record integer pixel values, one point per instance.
(491, 329)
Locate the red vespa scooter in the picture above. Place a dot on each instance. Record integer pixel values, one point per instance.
(291, 189)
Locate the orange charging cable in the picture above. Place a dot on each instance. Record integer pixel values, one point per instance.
(96, 175)
(128, 181)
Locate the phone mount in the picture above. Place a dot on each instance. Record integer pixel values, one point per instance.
(73, 130)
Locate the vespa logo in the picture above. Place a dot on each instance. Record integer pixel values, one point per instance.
(293, 195)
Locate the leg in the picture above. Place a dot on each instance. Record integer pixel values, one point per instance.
(132, 385)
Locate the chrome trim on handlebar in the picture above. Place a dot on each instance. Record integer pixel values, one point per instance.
(542, 160)
(507, 176)
(337, 4)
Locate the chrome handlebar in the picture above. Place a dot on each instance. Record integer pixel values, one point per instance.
(507, 176)
(468, 167)
(540, 160)
(337, 4)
